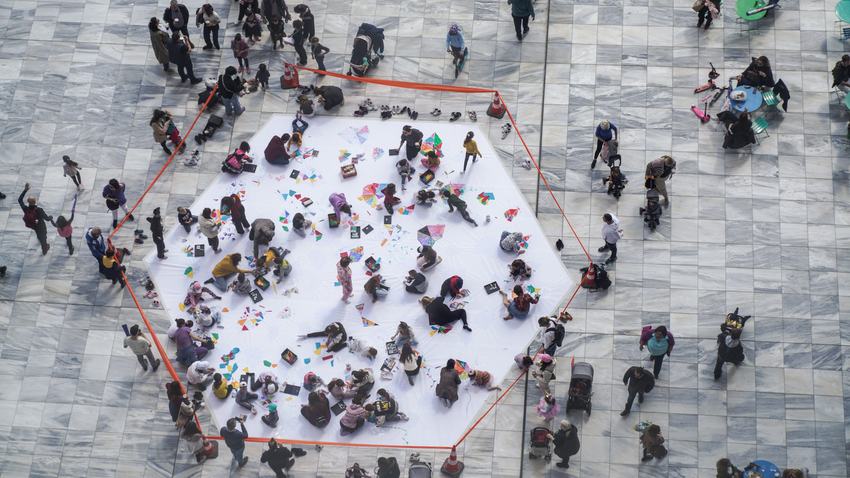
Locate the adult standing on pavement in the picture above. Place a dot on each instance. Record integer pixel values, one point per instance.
(660, 170)
(35, 218)
(157, 234)
(113, 192)
(279, 458)
(230, 87)
(176, 16)
(604, 132)
(158, 42)
(611, 234)
(97, 247)
(566, 443)
(178, 53)
(175, 398)
(162, 124)
(659, 342)
(639, 382)
(729, 349)
(207, 15)
(520, 11)
(235, 439)
(141, 347)
(275, 7)
(709, 11)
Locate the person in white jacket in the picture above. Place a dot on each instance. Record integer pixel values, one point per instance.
(199, 373)
(611, 234)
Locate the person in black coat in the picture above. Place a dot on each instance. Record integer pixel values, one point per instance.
(331, 96)
(41, 218)
(177, 17)
(758, 74)
(229, 87)
(739, 132)
(298, 38)
(413, 138)
(156, 234)
(566, 443)
(440, 314)
(639, 382)
(280, 458)
(729, 349)
(178, 53)
(841, 74)
(272, 7)
(388, 468)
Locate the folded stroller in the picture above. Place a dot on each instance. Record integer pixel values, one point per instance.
(539, 444)
(652, 211)
(616, 181)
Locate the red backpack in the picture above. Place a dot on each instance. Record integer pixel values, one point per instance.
(31, 218)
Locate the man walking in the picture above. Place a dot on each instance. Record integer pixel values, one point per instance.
(35, 218)
(141, 347)
(611, 234)
(639, 382)
(178, 53)
(660, 170)
(520, 11)
(279, 458)
(235, 440)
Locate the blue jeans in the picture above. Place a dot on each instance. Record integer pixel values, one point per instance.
(237, 455)
(221, 282)
(232, 103)
(187, 356)
(516, 313)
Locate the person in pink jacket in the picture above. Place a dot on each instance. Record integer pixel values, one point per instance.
(64, 229)
(354, 418)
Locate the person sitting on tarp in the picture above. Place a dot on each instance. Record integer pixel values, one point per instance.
(427, 197)
(415, 282)
(317, 410)
(453, 286)
(337, 339)
(385, 409)
(244, 398)
(340, 390)
(199, 373)
(311, 381)
(519, 270)
(427, 258)
(362, 381)
(271, 418)
(206, 317)
(511, 242)
(354, 417)
(376, 287)
(301, 225)
(195, 294)
(242, 285)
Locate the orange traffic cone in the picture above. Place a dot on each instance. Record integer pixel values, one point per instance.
(497, 109)
(451, 466)
(210, 449)
(590, 278)
(290, 77)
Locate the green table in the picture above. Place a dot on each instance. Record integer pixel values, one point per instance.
(744, 6)
(842, 11)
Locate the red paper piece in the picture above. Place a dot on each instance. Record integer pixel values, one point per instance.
(327, 357)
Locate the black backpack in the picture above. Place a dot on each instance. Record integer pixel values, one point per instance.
(602, 280)
(560, 333)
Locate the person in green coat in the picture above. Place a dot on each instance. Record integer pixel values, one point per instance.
(457, 203)
(521, 10)
(158, 38)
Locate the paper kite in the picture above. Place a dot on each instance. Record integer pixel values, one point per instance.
(440, 329)
(457, 305)
(377, 153)
(359, 307)
(289, 292)
(405, 211)
(356, 254)
(190, 251)
(367, 322)
(433, 143)
(524, 241)
(189, 272)
(484, 198)
(456, 189)
(462, 368)
(372, 194)
(532, 290)
(354, 135)
(429, 235)
(510, 214)
(343, 155)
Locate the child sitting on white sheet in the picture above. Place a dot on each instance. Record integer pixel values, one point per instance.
(242, 285)
(360, 345)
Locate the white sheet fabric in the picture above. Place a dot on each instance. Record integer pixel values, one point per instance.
(468, 251)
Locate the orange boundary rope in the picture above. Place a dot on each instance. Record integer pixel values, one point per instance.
(391, 83)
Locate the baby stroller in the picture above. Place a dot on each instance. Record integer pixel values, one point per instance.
(369, 39)
(652, 211)
(616, 181)
(539, 444)
(419, 469)
(581, 387)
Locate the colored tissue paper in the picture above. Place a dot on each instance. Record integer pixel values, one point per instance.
(306, 361)
(267, 363)
(484, 198)
(367, 322)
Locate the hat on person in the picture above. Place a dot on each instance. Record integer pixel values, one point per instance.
(545, 358)
(566, 426)
(243, 385)
(271, 389)
(197, 286)
(272, 407)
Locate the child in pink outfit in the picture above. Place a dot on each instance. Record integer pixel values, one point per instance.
(64, 229)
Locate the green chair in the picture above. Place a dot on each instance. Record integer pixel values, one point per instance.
(760, 126)
(771, 100)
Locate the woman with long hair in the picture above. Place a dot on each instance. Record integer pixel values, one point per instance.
(158, 38)
(411, 361)
(162, 123)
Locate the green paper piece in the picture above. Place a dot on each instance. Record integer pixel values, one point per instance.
(267, 363)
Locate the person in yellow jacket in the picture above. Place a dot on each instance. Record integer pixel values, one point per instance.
(224, 269)
(471, 150)
(220, 387)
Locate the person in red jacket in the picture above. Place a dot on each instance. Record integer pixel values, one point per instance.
(233, 207)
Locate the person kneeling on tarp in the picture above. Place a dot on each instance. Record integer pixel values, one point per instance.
(440, 314)
(385, 409)
(376, 287)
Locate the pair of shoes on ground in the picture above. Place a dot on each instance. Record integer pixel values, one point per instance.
(455, 116)
(506, 130)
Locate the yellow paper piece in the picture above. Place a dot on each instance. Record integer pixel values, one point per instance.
(288, 398)
(182, 306)
(230, 368)
(191, 274)
(245, 369)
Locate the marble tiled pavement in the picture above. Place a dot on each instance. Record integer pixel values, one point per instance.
(764, 230)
